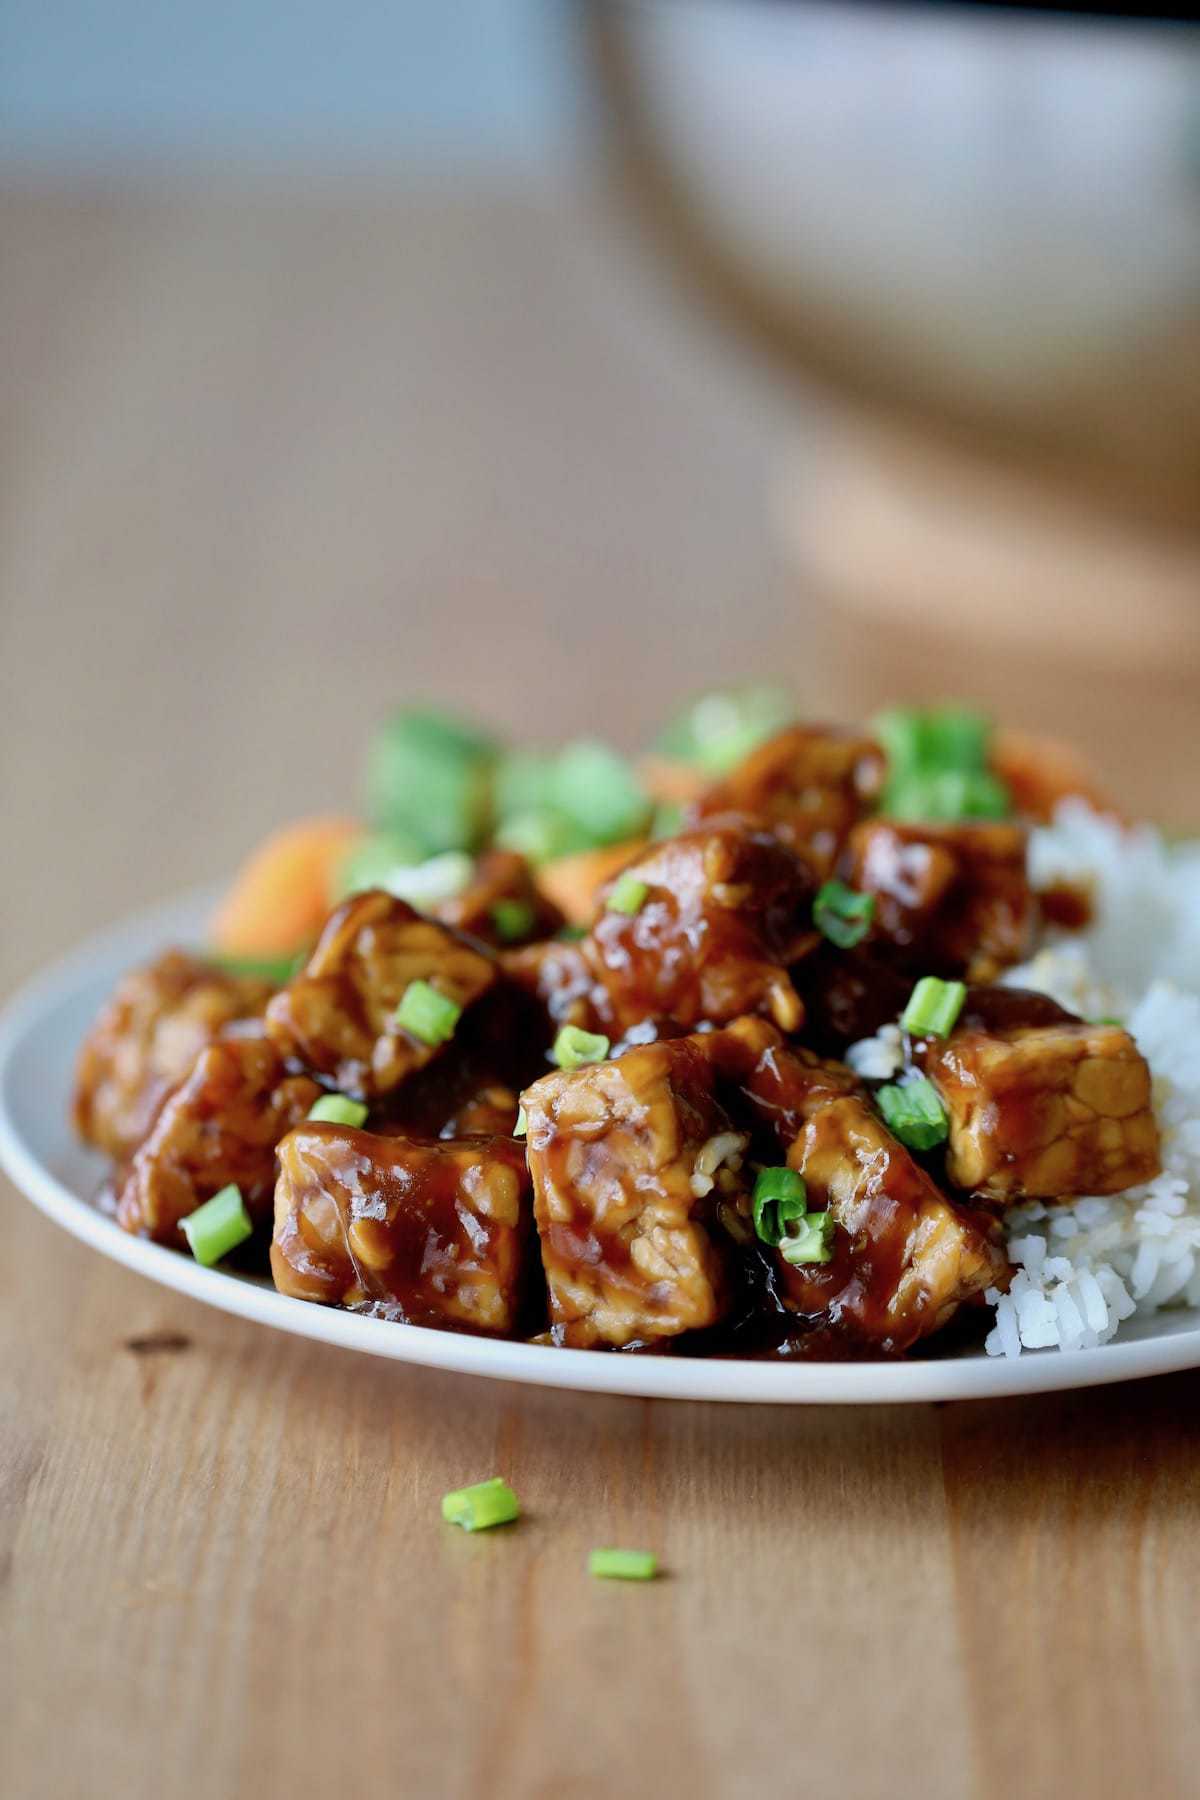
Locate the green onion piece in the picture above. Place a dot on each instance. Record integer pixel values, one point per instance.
(373, 862)
(780, 1198)
(954, 737)
(1107, 1021)
(946, 796)
(623, 1565)
(913, 1113)
(573, 1047)
(337, 1109)
(542, 835)
(427, 1015)
(218, 1226)
(933, 1007)
(571, 934)
(628, 894)
(842, 914)
(512, 920)
(810, 1241)
(522, 1124)
(598, 791)
(718, 729)
(480, 1507)
(278, 970)
(429, 776)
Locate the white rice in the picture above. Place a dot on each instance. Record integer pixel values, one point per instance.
(1083, 1268)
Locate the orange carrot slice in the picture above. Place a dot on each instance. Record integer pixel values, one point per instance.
(282, 893)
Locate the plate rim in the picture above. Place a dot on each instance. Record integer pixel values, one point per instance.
(721, 1380)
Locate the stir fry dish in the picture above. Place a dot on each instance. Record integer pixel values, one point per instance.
(713, 1054)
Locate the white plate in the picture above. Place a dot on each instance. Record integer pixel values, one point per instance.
(40, 1032)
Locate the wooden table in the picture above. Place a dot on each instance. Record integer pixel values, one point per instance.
(269, 466)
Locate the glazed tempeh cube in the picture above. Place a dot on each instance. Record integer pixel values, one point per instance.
(627, 1159)
(220, 1126)
(338, 1016)
(433, 1233)
(809, 784)
(1046, 1111)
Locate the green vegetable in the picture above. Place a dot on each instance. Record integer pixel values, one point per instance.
(522, 1124)
(933, 1007)
(780, 1199)
(376, 861)
(597, 790)
(512, 920)
(719, 729)
(842, 914)
(523, 783)
(218, 1226)
(480, 1507)
(541, 836)
(668, 819)
(914, 1114)
(278, 970)
(427, 1015)
(623, 1565)
(429, 777)
(811, 1241)
(573, 1047)
(938, 766)
(628, 894)
(338, 1109)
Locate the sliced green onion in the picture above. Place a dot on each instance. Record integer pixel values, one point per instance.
(842, 914)
(512, 920)
(337, 1109)
(933, 1007)
(780, 1198)
(946, 796)
(810, 1240)
(427, 1015)
(571, 934)
(373, 861)
(623, 1565)
(1108, 1021)
(278, 970)
(573, 1047)
(480, 1507)
(668, 819)
(597, 788)
(428, 776)
(628, 894)
(937, 766)
(218, 1226)
(913, 1113)
(522, 1124)
(718, 730)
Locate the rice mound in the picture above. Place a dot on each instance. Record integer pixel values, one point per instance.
(1083, 1268)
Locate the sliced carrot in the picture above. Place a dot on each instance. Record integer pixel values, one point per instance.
(282, 893)
(1041, 771)
(572, 881)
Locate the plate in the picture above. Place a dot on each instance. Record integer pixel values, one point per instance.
(40, 1033)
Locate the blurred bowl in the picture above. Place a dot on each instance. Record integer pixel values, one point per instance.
(984, 222)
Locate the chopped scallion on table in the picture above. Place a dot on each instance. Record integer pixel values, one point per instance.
(933, 1007)
(780, 1198)
(628, 894)
(573, 1047)
(512, 920)
(913, 1113)
(427, 1015)
(337, 1109)
(810, 1240)
(623, 1565)
(480, 1507)
(842, 914)
(218, 1226)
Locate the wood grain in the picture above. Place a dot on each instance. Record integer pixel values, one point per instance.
(268, 465)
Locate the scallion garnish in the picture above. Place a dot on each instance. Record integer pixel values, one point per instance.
(810, 1240)
(628, 894)
(278, 970)
(480, 1507)
(938, 766)
(337, 1109)
(522, 1124)
(933, 1007)
(512, 920)
(218, 1226)
(427, 1015)
(573, 1047)
(780, 1198)
(623, 1565)
(913, 1113)
(842, 914)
